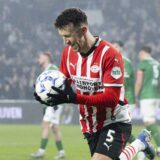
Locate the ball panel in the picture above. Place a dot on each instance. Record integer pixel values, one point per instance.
(46, 80)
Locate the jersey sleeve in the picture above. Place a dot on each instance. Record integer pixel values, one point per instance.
(129, 68)
(141, 66)
(63, 63)
(128, 74)
(113, 69)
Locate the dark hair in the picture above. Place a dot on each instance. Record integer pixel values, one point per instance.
(120, 43)
(48, 54)
(146, 49)
(71, 15)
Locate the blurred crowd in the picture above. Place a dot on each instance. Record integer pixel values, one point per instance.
(27, 29)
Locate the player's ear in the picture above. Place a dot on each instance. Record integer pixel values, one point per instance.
(84, 29)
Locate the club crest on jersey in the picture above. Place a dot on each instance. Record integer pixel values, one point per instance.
(116, 72)
(94, 68)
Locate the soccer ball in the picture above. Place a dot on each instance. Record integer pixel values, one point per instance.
(46, 80)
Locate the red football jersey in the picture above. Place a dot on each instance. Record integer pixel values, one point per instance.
(90, 75)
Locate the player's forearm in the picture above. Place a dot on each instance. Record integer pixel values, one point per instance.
(109, 98)
(139, 83)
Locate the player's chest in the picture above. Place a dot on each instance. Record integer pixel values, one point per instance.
(85, 67)
(86, 73)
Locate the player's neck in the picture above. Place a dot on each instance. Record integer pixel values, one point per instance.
(147, 56)
(90, 41)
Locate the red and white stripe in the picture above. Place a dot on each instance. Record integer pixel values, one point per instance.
(128, 153)
(81, 69)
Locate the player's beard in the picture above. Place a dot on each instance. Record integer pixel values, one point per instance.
(75, 46)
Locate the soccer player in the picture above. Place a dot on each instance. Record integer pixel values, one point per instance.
(146, 88)
(96, 69)
(129, 82)
(51, 116)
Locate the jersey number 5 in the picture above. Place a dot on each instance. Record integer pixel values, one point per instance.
(110, 137)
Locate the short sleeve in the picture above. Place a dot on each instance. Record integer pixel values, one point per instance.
(141, 66)
(113, 69)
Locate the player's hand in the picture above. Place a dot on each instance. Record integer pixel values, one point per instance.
(37, 98)
(67, 95)
(42, 102)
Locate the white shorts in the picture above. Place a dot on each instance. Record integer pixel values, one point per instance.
(131, 109)
(148, 109)
(159, 103)
(53, 116)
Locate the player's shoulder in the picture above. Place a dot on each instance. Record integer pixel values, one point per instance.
(54, 67)
(111, 51)
(155, 61)
(111, 55)
(126, 59)
(106, 43)
(143, 64)
(146, 62)
(66, 49)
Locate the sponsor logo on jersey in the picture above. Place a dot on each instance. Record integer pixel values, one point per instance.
(73, 65)
(95, 68)
(88, 84)
(116, 60)
(108, 146)
(116, 72)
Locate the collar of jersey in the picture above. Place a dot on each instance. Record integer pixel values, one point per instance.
(84, 55)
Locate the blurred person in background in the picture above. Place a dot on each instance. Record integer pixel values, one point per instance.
(96, 68)
(128, 79)
(51, 118)
(147, 91)
(129, 82)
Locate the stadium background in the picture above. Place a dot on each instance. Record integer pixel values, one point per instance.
(26, 28)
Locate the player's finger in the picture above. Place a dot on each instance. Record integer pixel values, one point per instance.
(57, 90)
